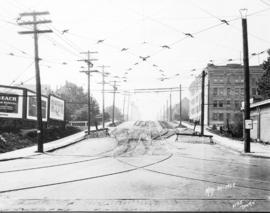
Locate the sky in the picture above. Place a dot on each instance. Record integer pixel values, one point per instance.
(154, 28)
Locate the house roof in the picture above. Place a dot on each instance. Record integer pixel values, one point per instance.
(260, 103)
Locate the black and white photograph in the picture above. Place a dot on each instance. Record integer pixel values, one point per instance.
(135, 106)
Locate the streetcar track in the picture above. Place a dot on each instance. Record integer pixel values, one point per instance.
(53, 165)
(192, 178)
(152, 199)
(101, 153)
(127, 151)
(223, 160)
(223, 175)
(86, 178)
(216, 160)
(62, 164)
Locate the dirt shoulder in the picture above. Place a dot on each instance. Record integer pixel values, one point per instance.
(19, 139)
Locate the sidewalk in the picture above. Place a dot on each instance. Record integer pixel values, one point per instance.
(50, 146)
(257, 149)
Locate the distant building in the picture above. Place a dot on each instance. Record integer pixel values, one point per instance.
(224, 92)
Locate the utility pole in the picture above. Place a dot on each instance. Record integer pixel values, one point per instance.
(202, 102)
(180, 106)
(36, 31)
(246, 82)
(88, 71)
(103, 98)
(114, 91)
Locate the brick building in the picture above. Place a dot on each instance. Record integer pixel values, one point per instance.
(224, 92)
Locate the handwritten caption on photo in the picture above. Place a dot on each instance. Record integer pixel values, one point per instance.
(210, 191)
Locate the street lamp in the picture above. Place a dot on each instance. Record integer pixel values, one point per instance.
(243, 13)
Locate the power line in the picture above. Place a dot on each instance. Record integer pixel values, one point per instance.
(211, 27)
(61, 46)
(68, 42)
(265, 2)
(22, 73)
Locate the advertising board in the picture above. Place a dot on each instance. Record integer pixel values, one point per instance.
(32, 106)
(11, 102)
(57, 108)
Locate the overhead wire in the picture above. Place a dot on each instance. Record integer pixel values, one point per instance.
(68, 42)
(211, 27)
(217, 25)
(22, 73)
(265, 2)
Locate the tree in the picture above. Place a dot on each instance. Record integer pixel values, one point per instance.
(117, 113)
(107, 116)
(76, 102)
(264, 82)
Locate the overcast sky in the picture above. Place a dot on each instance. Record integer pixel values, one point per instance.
(141, 26)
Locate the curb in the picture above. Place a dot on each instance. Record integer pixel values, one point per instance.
(49, 150)
(252, 154)
(17, 158)
(66, 145)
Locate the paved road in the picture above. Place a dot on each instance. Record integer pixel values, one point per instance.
(99, 174)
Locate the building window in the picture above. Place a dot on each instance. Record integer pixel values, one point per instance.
(242, 91)
(254, 91)
(237, 91)
(220, 103)
(253, 81)
(237, 104)
(220, 91)
(228, 91)
(228, 116)
(214, 103)
(215, 92)
(220, 117)
(215, 116)
(228, 103)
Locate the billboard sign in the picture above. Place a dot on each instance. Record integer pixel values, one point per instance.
(32, 106)
(57, 108)
(11, 102)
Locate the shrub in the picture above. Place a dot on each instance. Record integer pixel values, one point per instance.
(237, 126)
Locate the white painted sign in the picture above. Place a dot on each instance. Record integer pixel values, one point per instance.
(248, 124)
(32, 106)
(11, 102)
(57, 108)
